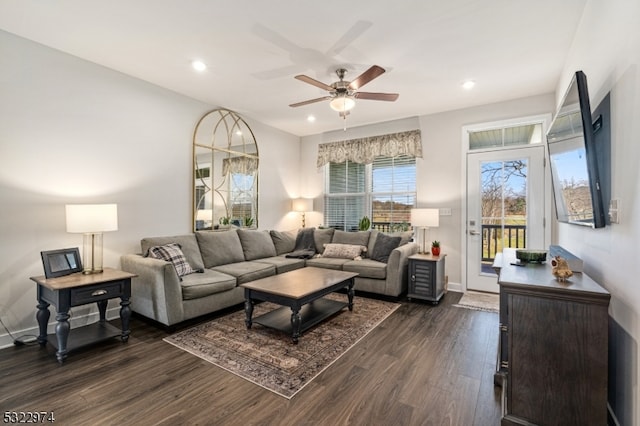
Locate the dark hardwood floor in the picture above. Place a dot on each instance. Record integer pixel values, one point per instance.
(424, 365)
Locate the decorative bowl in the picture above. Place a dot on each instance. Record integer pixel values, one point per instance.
(531, 256)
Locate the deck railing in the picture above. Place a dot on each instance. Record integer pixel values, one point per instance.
(494, 239)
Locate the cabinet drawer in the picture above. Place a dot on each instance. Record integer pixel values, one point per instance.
(95, 293)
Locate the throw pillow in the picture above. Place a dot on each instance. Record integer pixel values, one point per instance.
(342, 251)
(172, 253)
(385, 244)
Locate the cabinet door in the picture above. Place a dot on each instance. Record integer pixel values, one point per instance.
(424, 273)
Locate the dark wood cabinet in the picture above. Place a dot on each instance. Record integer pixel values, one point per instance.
(553, 356)
(426, 277)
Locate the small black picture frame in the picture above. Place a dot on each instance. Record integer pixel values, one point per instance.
(58, 263)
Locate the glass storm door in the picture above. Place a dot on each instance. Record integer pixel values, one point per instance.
(505, 208)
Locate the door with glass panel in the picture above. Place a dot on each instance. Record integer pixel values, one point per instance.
(505, 207)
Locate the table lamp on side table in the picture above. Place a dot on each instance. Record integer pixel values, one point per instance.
(424, 219)
(92, 220)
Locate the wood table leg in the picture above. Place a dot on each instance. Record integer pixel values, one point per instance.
(350, 293)
(248, 311)
(295, 323)
(62, 335)
(42, 316)
(125, 315)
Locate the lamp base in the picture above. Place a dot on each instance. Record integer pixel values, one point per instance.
(92, 254)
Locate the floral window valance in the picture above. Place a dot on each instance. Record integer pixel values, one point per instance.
(244, 165)
(365, 150)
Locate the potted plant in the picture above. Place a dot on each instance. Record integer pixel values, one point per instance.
(435, 248)
(364, 224)
(248, 221)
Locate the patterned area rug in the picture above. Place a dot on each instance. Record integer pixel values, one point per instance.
(479, 301)
(268, 358)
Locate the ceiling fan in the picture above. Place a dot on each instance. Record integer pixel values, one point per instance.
(342, 94)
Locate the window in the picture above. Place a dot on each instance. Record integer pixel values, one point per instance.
(385, 191)
(506, 137)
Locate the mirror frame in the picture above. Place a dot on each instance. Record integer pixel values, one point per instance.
(231, 144)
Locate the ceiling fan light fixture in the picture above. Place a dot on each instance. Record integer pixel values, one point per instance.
(342, 103)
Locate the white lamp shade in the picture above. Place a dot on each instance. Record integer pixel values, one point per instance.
(425, 217)
(91, 218)
(302, 205)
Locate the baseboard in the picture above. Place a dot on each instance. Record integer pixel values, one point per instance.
(75, 321)
(457, 287)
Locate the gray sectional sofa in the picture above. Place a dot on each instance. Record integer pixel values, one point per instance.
(222, 260)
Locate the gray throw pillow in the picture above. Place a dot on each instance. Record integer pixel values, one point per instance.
(385, 244)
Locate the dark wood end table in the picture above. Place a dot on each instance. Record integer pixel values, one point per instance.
(79, 289)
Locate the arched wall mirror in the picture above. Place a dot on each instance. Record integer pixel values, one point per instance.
(225, 172)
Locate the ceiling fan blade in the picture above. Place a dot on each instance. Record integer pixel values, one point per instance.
(314, 82)
(310, 101)
(366, 77)
(377, 96)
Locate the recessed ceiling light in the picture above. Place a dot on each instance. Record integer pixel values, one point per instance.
(311, 118)
(239, 132)
(468, 84)
(199, 65)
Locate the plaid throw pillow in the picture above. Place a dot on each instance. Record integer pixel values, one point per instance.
(172, 253)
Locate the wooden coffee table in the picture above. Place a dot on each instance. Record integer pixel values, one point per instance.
(302, 291)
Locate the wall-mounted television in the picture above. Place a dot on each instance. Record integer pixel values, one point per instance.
(573, 156)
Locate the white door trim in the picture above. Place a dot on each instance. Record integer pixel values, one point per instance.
(545, 119)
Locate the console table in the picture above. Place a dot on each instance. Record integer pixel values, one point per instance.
(553, 355)
(79, 289)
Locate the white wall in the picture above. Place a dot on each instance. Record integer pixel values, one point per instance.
(607, 48)
(439, 172)
(75, 132)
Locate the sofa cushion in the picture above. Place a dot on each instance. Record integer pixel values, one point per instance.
(405, 237)
(247, 271)
(256, 244)
(187, 243)
(367, 268)
(383, 247)
(283, 264)
(172, 253)
(219, 247)
(328, 262)
(284, 241)
(360, 238)
(343, 251)
(322, 237)
(209, 282)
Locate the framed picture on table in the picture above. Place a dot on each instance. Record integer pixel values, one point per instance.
(58, 263)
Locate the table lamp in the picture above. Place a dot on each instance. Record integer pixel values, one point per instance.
(425, 219)
(92, 220)
(302, 205)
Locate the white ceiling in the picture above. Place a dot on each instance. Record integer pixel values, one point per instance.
(511, 48)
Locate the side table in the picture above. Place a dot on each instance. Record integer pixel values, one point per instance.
(79, 289)
(426, 277)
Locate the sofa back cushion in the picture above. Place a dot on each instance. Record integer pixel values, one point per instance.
(358, 238)
(284, 241)
(322, 237)
(188, 244)
(219, 247)
(256, 244)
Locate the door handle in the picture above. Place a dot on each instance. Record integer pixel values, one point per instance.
(474, 232)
